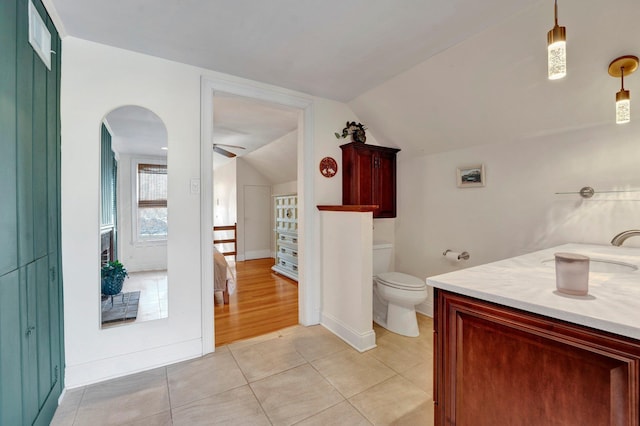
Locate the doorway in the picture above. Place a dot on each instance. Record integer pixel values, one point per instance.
(309, 234)
(258, 161)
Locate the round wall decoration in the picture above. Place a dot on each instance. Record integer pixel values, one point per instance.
(328, 167)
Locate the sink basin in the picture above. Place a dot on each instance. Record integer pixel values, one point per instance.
(603, 266)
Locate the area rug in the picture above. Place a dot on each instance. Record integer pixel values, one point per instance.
(125, 307)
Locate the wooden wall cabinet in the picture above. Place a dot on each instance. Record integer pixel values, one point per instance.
(369, 177)
(502, 366)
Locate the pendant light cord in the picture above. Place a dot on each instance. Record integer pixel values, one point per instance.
(622, 77)
(555, 12)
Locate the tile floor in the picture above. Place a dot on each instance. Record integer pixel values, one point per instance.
(297, 376)
(153, 295)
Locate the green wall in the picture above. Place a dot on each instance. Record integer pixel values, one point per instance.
(108, 188)
(107, 179)
(31, 331)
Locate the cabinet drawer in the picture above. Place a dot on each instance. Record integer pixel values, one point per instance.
(283, 263)
(288, 238)
(287, 251)
(288, 258)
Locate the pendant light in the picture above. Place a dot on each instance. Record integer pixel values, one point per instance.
(621, 67)
(556, 48)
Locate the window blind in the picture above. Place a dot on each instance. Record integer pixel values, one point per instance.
(152, 185)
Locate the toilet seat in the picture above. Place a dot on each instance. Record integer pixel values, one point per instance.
(401, 281)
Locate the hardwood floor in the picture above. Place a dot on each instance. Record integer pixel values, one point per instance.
(263, 302)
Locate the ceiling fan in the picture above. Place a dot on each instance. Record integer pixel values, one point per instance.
(221, 151)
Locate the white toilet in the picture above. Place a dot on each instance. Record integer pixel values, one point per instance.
(395, 295)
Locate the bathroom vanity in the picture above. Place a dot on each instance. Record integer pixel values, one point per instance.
(510, 349)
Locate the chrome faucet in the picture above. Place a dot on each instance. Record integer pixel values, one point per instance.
(622, 237)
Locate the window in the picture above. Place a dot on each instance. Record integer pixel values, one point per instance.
(152, 201)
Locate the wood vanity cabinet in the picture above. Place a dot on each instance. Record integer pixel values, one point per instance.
(496, 365)
(369, 177)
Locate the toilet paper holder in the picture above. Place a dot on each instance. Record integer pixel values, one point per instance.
(461, 256)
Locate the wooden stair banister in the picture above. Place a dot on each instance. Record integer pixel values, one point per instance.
(233, 240)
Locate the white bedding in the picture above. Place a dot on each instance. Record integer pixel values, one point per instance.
(223, 276)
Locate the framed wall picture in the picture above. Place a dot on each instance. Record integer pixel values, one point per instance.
(471, 176)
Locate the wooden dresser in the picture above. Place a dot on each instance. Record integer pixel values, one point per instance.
(286, 229)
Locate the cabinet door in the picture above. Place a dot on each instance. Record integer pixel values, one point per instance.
(8, 166)
(369, 177)
(47, 338)
(384, 184)
(24, 138)
(11, 336)
(41, 338)
(358, 176)
(501, 366)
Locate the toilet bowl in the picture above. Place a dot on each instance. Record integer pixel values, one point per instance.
(395, 294)
(395, 297)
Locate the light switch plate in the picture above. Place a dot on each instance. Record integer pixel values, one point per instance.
(195, 186)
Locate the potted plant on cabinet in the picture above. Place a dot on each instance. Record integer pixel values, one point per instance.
(355, 130)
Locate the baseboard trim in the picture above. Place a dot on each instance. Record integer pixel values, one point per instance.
(123, 365)
(359, 341)
(257, 254)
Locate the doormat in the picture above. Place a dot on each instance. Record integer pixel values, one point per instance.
(125, 307)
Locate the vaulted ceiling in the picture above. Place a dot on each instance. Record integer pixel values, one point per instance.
(335, 49)
(424, 75)
(493, 88)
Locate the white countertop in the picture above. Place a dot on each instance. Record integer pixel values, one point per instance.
(525, 282)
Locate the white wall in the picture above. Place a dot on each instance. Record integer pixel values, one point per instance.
(225, 203)
(285, 188)
(95, 80)
(488, 100)
(384, 230)
(518, 211)
(141, 255)
(277, 159)
(330, 117)
(347, 283)
(493, 87)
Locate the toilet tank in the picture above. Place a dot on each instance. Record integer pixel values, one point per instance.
(382, 257)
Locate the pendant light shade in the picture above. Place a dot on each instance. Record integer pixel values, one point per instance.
(621, 67)
(623, 107)
(557, 48)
